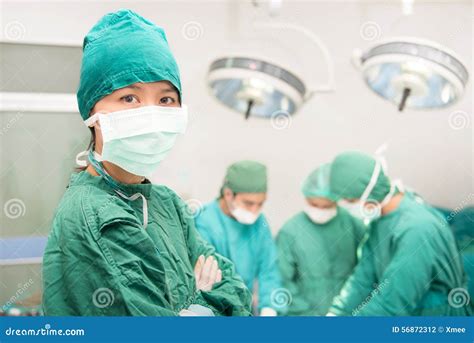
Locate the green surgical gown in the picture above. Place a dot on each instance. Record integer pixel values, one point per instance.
(316, 259)
(409, 265)
(99, 259)
(250, 247)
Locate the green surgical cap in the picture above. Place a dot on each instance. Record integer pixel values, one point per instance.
(121, 49)
(246, 177)
(350, 174)
(316, 185)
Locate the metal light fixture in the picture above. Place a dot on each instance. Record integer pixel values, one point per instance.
(256, 87)
(253, 86)
(413, 73)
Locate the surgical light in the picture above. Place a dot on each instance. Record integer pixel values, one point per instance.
(256, 87)
(413, 73)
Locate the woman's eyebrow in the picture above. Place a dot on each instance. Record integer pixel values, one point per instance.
(168, 90)
(132, 87)
(164, 90)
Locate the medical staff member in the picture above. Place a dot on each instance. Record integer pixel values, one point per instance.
(461, 221)
(119, 245)
(410, 265)
(317, 248)
(235, 225)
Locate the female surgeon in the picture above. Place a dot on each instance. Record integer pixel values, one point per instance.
(120, 245)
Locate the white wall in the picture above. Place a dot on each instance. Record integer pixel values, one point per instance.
(424, 149)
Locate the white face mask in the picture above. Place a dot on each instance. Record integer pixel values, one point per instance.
(138, 139)
(244, 216)
(320, 215)
(355, 208)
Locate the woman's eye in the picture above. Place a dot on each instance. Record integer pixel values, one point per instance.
(167, 100)
(129, 99)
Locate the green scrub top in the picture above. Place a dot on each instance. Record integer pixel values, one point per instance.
(409, 265)
(250, 247)
(316, 259)
(99, 259)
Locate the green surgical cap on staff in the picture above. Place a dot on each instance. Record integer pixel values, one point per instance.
(317, 185)
(350, 174)
(246, 177)
(121, 49)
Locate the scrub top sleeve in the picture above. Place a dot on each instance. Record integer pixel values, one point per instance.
(229, 297)
(288, 264)
(358, 286)
(89, 274)
(406, 279)
(133, 259)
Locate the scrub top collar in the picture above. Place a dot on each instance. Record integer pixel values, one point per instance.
(85, 177)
